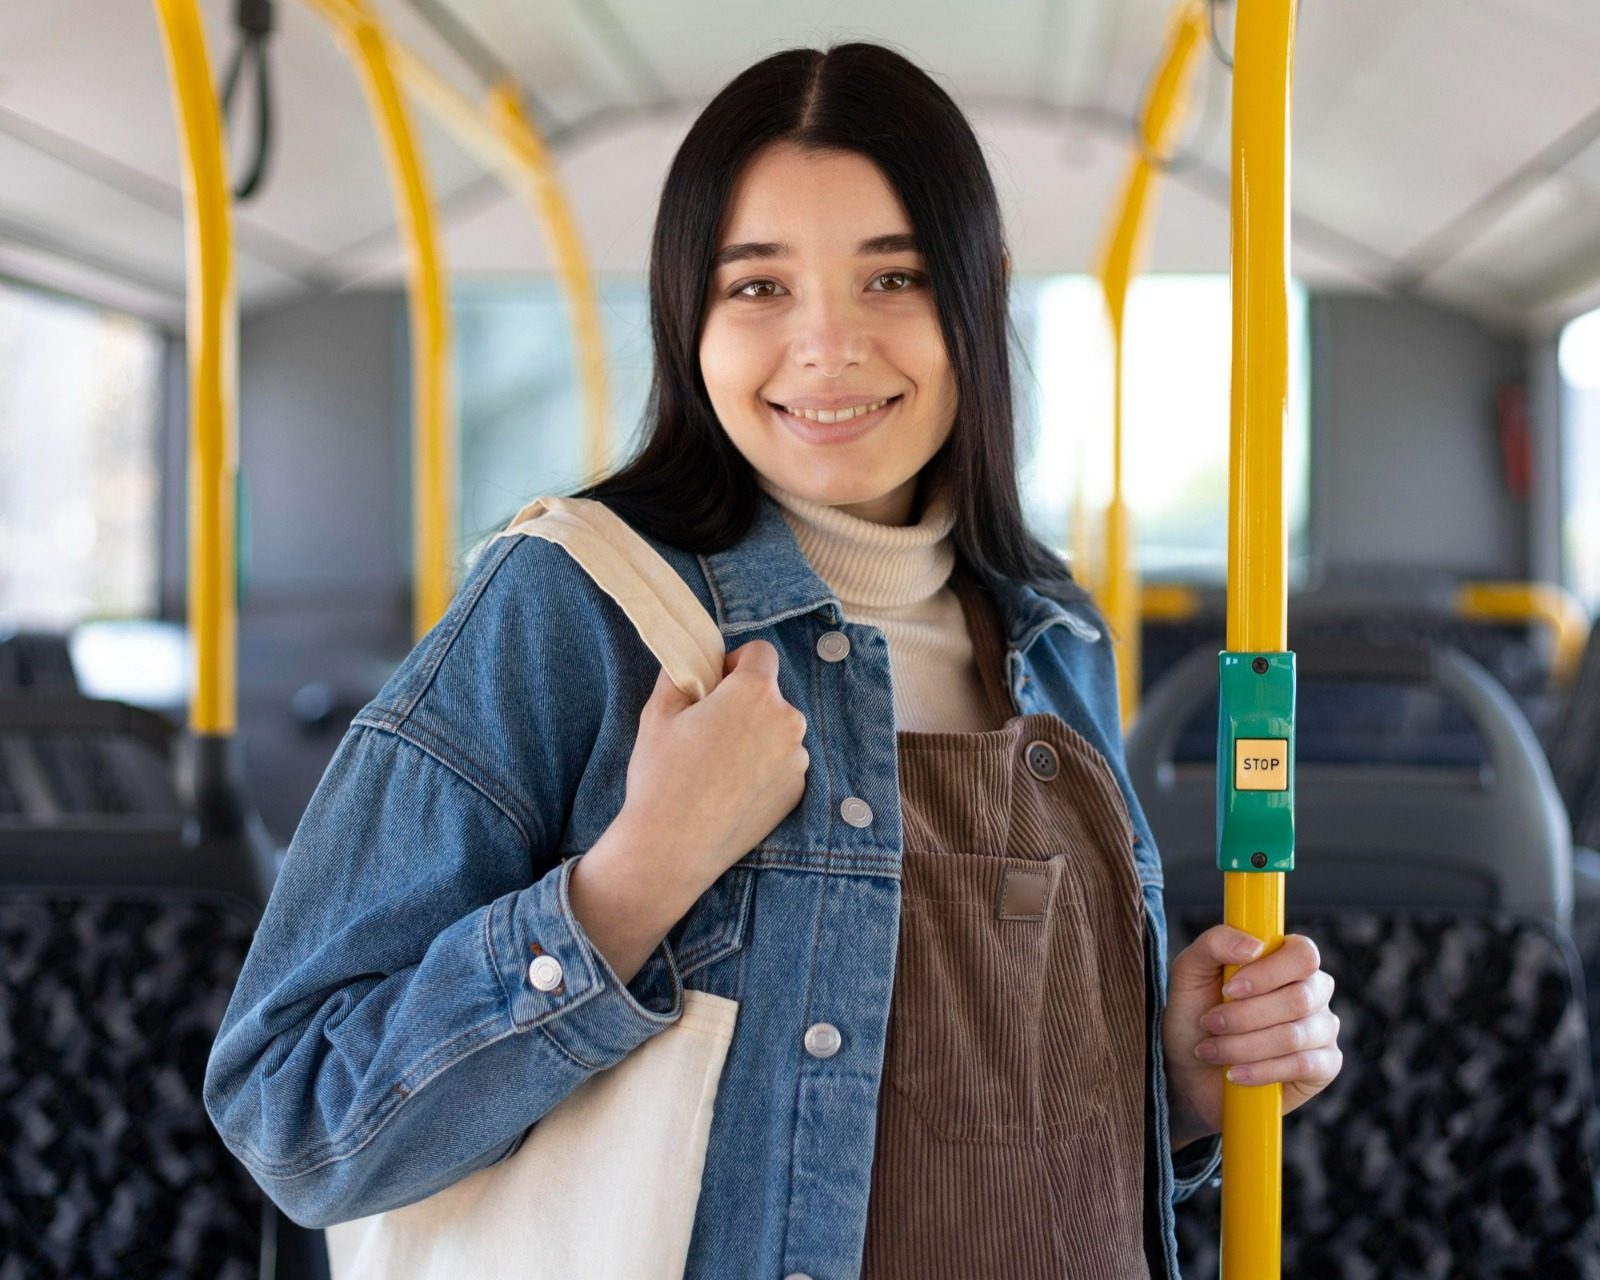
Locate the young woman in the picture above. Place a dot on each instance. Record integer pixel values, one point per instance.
(899, 832)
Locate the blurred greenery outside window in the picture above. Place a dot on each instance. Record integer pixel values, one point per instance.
(80, 482)
(521, 411)
(1579, 358)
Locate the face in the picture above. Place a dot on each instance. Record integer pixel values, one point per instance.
(821, 349)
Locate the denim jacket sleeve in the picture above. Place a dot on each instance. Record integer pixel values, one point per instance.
(384, 1038)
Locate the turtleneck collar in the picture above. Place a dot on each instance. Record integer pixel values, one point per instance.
(872, 566)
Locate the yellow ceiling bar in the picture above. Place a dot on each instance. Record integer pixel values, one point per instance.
(1123, 256)
(213, 352)
(503, 138)
(1168, 602)
(1544, 602)
(1263, 61)
(433, 452)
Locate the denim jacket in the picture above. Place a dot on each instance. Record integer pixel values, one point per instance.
(385, 1038)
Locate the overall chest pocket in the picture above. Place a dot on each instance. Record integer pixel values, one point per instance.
(998, 1031)
(715, 928)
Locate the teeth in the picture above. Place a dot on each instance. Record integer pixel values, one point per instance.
(836, 415)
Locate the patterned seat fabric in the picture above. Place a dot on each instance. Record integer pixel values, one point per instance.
(1458, 1140)
(109, 1165)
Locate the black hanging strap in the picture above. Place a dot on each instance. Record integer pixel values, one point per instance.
(254, 20)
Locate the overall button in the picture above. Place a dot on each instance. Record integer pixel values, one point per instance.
(856, 811)
(833, 646)
(1041, 758)
(545, 973)
(822, 1040)
(797, 1275)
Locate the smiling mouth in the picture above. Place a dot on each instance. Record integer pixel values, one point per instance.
(827, 416)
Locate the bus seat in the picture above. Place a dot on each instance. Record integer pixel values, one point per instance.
(1575, 747)
(36, 660)
(109, 1002)
(1447, 829)
(68, 757)
(1459, 1137)
(121, 936)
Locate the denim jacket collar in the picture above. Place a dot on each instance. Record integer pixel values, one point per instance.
(765, 577)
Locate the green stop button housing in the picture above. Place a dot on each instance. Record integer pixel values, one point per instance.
(1255, 762)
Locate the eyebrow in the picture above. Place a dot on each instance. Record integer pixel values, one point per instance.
(899, 242)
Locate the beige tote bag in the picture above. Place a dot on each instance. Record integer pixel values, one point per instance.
(604, 1186)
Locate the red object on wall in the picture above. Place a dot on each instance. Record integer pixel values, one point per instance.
(1516, 440)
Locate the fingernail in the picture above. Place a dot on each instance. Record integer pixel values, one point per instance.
(1238, 1075)
(1238, 987)
(1248, 948)
(1206, 1049)
(1214, 1023)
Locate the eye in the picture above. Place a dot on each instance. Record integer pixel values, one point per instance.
(895, 281)
(757, 289)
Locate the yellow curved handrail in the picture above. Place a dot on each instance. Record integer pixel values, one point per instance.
(1544, 602)
(1168, 602)
(433, 454)
(541, 184)
(1258, 554)
(503, 137)
(213, 348)
(1122, 257)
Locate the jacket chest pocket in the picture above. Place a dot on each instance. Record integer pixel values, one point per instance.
(716, 927)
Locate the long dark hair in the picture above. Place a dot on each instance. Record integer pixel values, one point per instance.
(687, 484)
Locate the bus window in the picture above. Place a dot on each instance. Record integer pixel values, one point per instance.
(521, 407)
(80, 482)
(1178, 333)
(1580, 456)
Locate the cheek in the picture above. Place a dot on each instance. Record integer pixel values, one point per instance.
(734, 360)
(923, 357)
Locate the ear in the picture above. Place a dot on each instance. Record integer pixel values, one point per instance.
(1005, 264)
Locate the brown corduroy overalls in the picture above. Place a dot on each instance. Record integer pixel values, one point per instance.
(1010, 1132)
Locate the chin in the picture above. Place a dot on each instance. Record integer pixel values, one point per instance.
(818, 485)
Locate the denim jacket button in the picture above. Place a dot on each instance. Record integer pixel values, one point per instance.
(545, 973)
(797, 1275)
(833, 646)
(822, 1040)
(856, 811)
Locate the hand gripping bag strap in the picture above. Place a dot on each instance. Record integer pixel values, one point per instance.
(605, 1185)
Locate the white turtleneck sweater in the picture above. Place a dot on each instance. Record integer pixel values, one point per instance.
(897, 578)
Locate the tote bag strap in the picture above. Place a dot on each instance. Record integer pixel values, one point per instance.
(671, 621)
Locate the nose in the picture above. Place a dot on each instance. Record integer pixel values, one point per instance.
(831, 337)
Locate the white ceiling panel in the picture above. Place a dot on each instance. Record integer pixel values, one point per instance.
(1412, 109)
(326, 186)
(559, 49)
(1409, 113)
(694, 49)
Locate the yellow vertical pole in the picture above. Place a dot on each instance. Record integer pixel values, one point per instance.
(433, 451)
(1263, 61)
(1122, 257)
(213, 353)
(537, 170)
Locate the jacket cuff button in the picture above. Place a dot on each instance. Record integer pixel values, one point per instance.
(545, 973)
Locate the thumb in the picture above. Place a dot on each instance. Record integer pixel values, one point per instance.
(1199, 966)
(666, 697)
